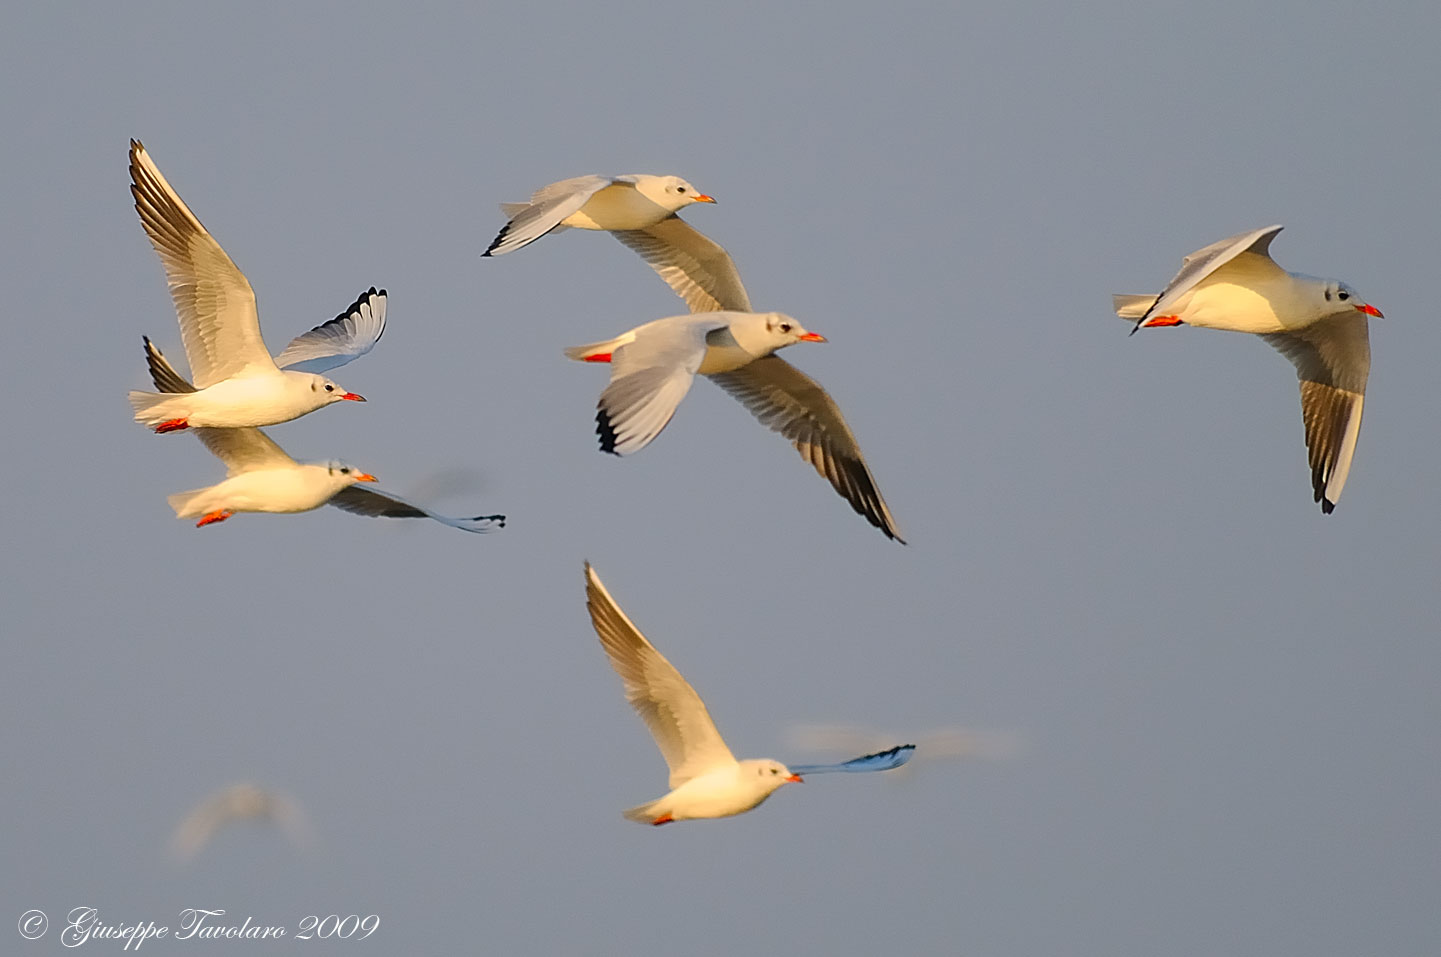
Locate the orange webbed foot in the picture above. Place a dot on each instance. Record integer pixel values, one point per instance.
(664, 819)
(599, 357)
(172, 425)
(210, 518)
(1163, 321)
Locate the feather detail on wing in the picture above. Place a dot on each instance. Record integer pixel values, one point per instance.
(670, 707)
(789, 402)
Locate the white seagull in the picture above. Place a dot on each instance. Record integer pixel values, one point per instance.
(652, 367)
(706, 780)
(237, 802)
(262, 478)
(239, 384)
(1319, 324)
(615, 204)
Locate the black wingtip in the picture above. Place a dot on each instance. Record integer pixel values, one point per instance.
(606, 431)
(499, 238)
(1327, 506)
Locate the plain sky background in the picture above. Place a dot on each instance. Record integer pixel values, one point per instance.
(1228, 701)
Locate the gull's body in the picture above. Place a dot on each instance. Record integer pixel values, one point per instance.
(706, 780)
(238, 802)
(609, 203)
(1321, 325)
(652, 367)
(261, 477)
(237, 383)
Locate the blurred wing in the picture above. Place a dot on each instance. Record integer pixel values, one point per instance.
(348, 336)
(675, 714)
(648, 378)
(198, 827)
(1256, 244)
(213, 299)
(793, 404)
(880, 761)
(699, 269)
(366, 501)
(162, 373)
(1333, 361)
(547, 207)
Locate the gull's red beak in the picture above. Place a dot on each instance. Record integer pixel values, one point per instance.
(813, 337)
(366, 477)
(796, 778)
(1370, 310)
(703, 198)
(353, 397)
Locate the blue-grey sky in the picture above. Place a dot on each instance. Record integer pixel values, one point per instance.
(1228, 701)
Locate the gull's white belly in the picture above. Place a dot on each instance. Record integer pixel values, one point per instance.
(616, 207)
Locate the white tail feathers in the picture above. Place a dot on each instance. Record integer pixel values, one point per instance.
(644, 813)
(184, 503)
(1132, 307)
(605, 348)
(152, 408)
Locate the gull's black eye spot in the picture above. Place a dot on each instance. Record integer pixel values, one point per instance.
(680, 189)
(1343, 295)
(345, 471)
(785, 327)
(329, 387)
(774, 771)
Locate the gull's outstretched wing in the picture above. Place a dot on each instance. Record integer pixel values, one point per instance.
(675, 714)
(332, 344)
(366, 501)
(793, 404)
(880, 761)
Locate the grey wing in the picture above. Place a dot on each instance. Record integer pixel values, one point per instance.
(213, 299)
(1204, 262)
(669, 706)
(365, 501)
(649, 377)
(244, 449)
(791, 403)
(162, 373)
(348, 336)
(699, 269)
(1333, 361)
(547, 207)
(880, 761)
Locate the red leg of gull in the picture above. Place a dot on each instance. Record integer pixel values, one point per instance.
(172, 425)
(662, 820)
(1163, 321)
(210, 518)
(598, 357)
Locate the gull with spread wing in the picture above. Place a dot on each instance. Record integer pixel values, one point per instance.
(706, 780)
(636, 202)
(238, 383)
(1321, 325)
(652, 367)
(238, 802)
(262, 478)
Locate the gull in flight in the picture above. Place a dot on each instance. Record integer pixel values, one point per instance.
(652, 367)
(617, 204)
(238, 383)
(706, 780)
(238, 802)
(262, 478)
(1321, 325)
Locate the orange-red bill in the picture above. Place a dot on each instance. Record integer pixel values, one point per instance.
(1370, 310)
(353, 397)
(703, 198)
(813, 337)
(796, 778)
(366, 477)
